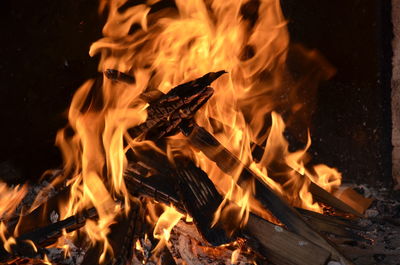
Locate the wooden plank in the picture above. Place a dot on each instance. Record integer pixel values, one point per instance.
(282, 247)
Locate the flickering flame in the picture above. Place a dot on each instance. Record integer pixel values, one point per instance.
(249, 40)
(167, 47)
(10, 198)
(164, 225)
(235, 255)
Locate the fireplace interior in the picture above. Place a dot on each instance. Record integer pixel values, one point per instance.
(45, 60)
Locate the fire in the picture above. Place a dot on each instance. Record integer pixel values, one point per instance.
(249, 40)
(164, 225)
(162, 49)
(10, 198)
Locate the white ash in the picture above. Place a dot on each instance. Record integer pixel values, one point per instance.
(187, 247)
(334, 263)
(75, 256)
(54, 217)
(371, 213)
(38, 194)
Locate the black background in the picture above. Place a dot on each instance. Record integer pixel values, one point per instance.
(44, 59)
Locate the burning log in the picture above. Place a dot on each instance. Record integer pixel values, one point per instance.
(274, 240)
(32, 244)
(225, 160)
(119, 76)
(170, 110)
(179, 104)
(152, 162)
(123, 235)
(201, 200)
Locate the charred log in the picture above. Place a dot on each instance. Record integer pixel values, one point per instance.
(227, 162)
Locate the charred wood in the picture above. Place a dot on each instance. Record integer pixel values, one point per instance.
(28, 243)
(226, 161)
(334, 220)
(203, 192)
(274, 239)
(119, 76)
(319, 194)
(201, 200)
(179, 104)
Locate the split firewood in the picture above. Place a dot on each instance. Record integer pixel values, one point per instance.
(333, 220)
(353, 198)
(181, 103)
(334, 229)
(201, 200)
(319, 194)
(282, 247)
(202, 192)
(226, 161)
(157, 187)
(323, 196)
(119, 76)
(28, 244)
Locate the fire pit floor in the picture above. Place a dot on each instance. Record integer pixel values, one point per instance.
(382, 232)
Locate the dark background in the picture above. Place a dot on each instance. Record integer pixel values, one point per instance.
(44, 59)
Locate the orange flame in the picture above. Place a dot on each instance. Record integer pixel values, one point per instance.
(163, 48)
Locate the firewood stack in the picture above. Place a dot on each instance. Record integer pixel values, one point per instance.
(298, 236)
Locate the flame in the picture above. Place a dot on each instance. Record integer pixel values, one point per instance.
(166, 222)
(161, 49)
(10, 198)
(235, 256)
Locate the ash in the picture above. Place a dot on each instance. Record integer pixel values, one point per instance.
(382, 229)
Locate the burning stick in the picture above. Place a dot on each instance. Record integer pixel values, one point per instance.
(196, 183)
(179, 104)
(32, 244)
(27, 245)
